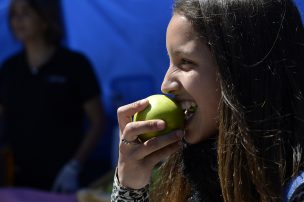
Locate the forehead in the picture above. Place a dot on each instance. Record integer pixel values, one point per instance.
(181, 27)
(181, 36)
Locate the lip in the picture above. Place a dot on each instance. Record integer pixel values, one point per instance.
(180, 100)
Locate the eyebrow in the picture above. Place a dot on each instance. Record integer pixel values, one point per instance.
(182, 51)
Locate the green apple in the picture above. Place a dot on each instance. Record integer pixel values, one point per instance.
(161, 107)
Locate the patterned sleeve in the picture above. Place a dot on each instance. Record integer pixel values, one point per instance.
(124, 194)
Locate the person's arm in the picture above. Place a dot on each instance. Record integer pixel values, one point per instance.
(95, 114)
(2, 138)
(67, 179)
(1, 126)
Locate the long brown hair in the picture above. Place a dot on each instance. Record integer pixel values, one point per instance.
(170, 185)
(259, 49)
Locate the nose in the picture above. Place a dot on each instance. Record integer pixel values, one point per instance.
(170, 84)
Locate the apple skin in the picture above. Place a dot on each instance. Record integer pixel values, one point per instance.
(164, 108)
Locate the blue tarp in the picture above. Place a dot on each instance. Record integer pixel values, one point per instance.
(125, 40)
(300, 4)
(7, 44)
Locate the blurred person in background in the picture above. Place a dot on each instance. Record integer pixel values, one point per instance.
(46, 92)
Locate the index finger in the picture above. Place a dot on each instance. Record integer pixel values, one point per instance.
(125, 113)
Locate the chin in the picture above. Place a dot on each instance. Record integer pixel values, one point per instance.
(193, 130)
(192, 137)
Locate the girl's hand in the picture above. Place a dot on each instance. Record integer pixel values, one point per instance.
(136, 160)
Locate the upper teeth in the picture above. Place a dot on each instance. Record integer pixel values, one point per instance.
(187, 105)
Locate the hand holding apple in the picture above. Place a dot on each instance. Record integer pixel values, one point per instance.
(161, 107)
(136, 161)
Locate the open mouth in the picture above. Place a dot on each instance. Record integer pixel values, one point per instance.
(189, 109)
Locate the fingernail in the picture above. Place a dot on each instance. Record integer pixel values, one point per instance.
(143, 101)
(160, 124)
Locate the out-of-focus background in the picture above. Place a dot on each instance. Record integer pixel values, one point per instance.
(125, 42)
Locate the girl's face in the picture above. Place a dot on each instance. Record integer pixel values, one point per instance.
(25, 22)
(192, 78)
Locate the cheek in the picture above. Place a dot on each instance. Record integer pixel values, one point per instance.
(208, 98)
(193, 84)
(212, 100)
(201, 88)
(204, 89)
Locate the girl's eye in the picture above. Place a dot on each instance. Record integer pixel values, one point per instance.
(186, 64)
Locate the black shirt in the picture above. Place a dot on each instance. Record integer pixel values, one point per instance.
(44, 110)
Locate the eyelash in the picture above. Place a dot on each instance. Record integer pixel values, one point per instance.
(184, 61)
(186, 64)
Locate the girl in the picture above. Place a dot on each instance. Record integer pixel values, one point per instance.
(240, 63)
